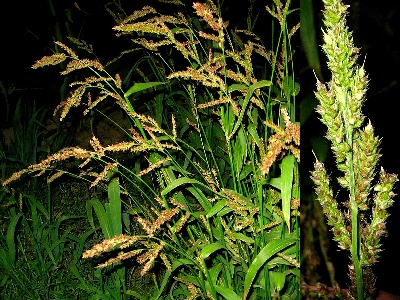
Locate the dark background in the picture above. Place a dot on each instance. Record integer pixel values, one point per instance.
(375, 27)
(27, 31)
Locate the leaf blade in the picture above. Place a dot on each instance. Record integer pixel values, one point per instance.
(141, 86)
(265, 254)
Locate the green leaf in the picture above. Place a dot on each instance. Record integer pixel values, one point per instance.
(275, 182)
(164, 284)
(224, 211)
(210, 249)
(227, 118)
(287, 166)
(11, 237)
(247, 169)
(84, 285)
(252, 129)
(244, 238)
(137, 295)
(227, 293)
(278, 280)
(265, 254)
(236, 86)
(141, 86)
(307, 107)
(250, 92)
(115, 213)
(214, 272)
(5, 260)
(240, 151)
(81, 243)
(216, 208)
(102, 216)
(178, 182)
(290, 88)
(181, 262)
(200, 197)
(308, 36)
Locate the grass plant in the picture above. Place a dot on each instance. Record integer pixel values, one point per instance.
(356, 148)
(36, 247)
(31, 266)
(208, 169)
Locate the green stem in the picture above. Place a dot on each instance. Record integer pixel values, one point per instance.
(355, 241)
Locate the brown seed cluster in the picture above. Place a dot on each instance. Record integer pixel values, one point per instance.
(283, 140)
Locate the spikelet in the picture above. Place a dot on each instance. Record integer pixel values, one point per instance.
(206, 12)
(289, 259)
(182, 221)
(208, 176)
(151, 26)
(281, 11)
(283, 139)
(139, 13)
(191, 123)
(177, 204)
(236, 76)
(82, 64)
(51, 60)
(335, 217)
(108, 244)
(121, 146)
(173, 121)
(209, 36)
(74, 100)
(207, 79)
(121, 256)
(146, 225)
(176, 2)
(98, 148)
(241, 224)
(220, 101)
(293, 30)
(149, 257)
(151, 45)
(153, 166)
(166, 261)
(165, 216)
(236, 39)
(81, 44)
(103, 175)
(67, 49)
(55, 176)
(46, 164)
(271, 225)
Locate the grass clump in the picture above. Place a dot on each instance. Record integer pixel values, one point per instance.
(203, 191)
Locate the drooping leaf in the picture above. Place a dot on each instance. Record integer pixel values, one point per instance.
(227, 293)
(210, 249)
(287, 166)
(141, 86)
(265, 254)
(115, 213)
(252, 88)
